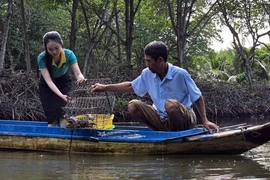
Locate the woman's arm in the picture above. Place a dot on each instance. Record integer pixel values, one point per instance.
(77, 72)
(52, 86)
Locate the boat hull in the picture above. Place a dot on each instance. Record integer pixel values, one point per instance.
(130, 140)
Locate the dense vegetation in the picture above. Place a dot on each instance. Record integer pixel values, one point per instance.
(20, 99)
(108, 38)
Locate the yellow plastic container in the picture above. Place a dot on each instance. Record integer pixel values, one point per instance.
(100, 121)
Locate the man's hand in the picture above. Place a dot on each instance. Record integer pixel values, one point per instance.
(211, 127)
(98, 87)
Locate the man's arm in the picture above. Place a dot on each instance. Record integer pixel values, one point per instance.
(200, 106)
(123, 87)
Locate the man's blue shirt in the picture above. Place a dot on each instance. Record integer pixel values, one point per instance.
(177, 84)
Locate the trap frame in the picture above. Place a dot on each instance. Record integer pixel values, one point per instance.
(98, 104)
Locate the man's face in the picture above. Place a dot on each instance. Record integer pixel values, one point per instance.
(151, 63)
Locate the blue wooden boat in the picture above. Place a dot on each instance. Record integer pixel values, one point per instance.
(37, 136)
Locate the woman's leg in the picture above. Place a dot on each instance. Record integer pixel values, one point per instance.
(51, 103)
(53, 123)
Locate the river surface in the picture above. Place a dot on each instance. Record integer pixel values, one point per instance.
(20, 165)
(27, 165)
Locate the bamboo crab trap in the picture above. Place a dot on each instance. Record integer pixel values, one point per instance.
(90, 110)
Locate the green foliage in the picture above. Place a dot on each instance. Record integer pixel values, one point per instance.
(242, 78)
(120, 103)
(39, 20)
(152, 22)
(227, 66)
(261, 67)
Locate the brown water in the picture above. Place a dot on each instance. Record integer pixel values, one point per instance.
(25, 165)
(20, 165)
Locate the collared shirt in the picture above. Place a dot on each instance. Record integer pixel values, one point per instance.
(67, 59)
(177, 84)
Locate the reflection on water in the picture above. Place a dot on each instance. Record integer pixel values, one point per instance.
(25, 165)
(47, 165)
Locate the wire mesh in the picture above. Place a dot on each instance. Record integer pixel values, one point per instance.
(86, 102)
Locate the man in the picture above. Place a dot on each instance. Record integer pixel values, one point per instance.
(171, 89)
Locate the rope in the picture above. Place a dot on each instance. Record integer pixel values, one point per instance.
(71, 139)
(248, 150)
(109, 103)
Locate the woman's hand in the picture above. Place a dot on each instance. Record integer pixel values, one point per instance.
(77, 72)
(81, 80)
(67, 98)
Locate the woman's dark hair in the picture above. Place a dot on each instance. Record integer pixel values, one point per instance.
(156, 49)
(54, 36)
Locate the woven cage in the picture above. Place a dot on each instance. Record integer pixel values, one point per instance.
(99, 104)
(84, 89)
(85, 102)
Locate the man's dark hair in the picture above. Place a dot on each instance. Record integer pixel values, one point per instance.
(156, 49)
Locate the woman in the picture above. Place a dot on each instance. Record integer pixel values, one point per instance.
(55, 82)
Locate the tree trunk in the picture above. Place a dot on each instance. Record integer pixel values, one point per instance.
(119, 57)
(181, 19)
(180, 25)
(10, 57)
(130, 15)
(246, 57)
(5, 35)
(99, 29)
(180, 33)
(129, 6)
(73, 33)
(26, 42)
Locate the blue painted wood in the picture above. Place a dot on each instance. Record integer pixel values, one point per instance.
(34, 135)
(118, 134)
